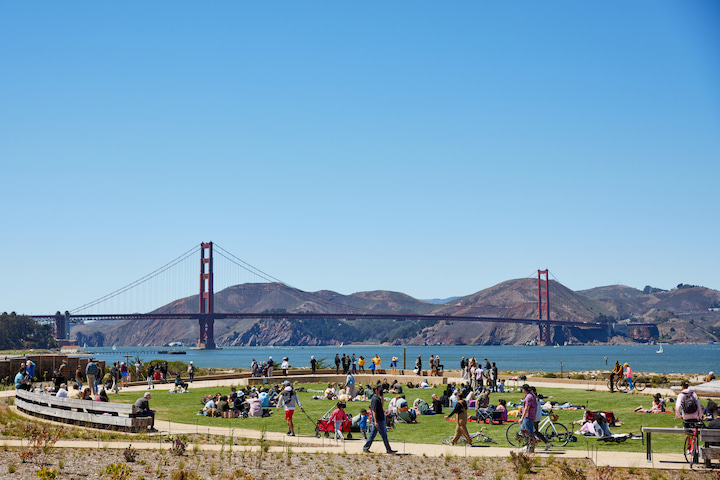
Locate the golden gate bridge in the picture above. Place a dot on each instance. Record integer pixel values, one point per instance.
(206, 314)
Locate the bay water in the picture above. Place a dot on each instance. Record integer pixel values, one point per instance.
(642, 358)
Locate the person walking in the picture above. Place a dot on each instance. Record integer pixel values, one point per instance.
(191, 371)
(527, 420)
(628, 376)
(378, 424)
(288, 399)
(461, 430)
(688, 406)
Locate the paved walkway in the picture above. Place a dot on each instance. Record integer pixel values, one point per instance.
(311, 444)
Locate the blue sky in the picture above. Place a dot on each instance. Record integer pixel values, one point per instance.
(425, 147)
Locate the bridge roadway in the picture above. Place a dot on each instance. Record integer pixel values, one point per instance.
(333, 316)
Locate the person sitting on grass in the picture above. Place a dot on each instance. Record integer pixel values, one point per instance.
(658, 406)
(180, 384)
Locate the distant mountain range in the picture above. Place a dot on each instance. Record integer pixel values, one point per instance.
(687, 314)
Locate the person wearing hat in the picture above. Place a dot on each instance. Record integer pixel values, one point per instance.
(393, 364)
(62, 392)
(289, 400)
(142, 409)
(710, 376)
(628, 376)
(529, 410)
(191, 371)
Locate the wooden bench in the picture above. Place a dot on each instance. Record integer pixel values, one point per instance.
(708, 452)
(706, 435)
(108, 415)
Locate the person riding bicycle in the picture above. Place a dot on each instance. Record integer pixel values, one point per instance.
(614, 375)
(688, 406)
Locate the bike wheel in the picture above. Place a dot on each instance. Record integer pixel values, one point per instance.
(447, 440)
(621, 385)
(639, 385)
(513, 435)
(691, 450)
(557, 434)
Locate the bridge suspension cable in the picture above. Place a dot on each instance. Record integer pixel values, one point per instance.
(266, 276)
(138, 282)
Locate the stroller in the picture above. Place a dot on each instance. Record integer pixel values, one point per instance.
(326, 425)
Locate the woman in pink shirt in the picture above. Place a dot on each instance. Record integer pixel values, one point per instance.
(628, 375)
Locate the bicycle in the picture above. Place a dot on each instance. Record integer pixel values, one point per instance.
(691, 448)
(461, 441)
(622, 384)
(556, 434)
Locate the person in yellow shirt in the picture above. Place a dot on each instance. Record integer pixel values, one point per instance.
(376, 363)
(361, 363)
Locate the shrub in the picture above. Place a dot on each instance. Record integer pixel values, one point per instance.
(117, 471)
(46, 473)
(130, 453)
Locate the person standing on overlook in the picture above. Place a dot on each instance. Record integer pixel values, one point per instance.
(337, 364)
(313, 363)
(191, 371)
(418, 365)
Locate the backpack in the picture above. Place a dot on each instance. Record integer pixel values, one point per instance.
(689, 405)
(287, 398)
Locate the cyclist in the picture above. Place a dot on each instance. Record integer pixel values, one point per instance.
(688, 406)
(614, 375)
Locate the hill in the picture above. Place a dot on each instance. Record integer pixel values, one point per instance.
(681, 314)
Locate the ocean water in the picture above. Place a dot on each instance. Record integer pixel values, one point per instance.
(642, 358)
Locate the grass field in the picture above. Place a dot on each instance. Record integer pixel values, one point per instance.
(182, 408)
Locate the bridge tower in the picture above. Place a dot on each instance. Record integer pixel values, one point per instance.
(544, 334)
(206, 338)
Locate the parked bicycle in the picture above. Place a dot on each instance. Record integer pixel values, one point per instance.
(691, 448)
(480, 435)
(556, 434)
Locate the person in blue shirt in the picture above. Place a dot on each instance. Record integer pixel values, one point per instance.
(30, 370)
(21, 381)
(264, 397)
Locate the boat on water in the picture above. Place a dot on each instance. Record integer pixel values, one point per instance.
(660, 350)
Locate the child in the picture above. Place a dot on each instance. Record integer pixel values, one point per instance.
(502, 408)
(363, 423)
(339, 416)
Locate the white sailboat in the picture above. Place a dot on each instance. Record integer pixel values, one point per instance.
(661, 349)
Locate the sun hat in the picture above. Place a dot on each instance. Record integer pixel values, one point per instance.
(287, 383)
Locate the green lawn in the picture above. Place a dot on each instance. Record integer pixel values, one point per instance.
(182, 408)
